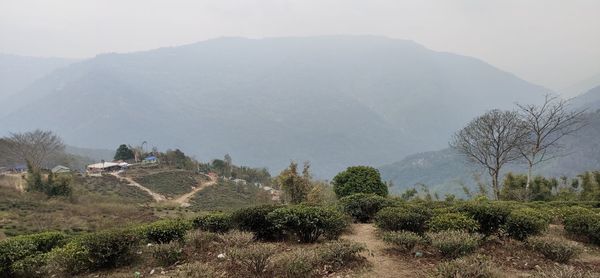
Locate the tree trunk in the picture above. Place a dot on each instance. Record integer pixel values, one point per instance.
(495, 186)
(527, 186)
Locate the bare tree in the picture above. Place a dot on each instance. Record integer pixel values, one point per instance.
(491, 140)
(546, 125)
(33, 147)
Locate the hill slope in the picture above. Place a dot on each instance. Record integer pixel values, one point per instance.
(335, 101)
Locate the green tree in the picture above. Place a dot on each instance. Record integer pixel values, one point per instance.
(359, 179)
(124, 153)
(296, 186)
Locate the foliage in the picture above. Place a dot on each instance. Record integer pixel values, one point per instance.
(296, 186)
(359, 179)
(453, 244)
(196, 270)
(229, 196)
(32, 266)
(123, 152)
(254, 259)
(21, 247)
(236, 238)
(299, 263)
(402, 218)
(579, 224)
(452, 221)
(514, 188)
(490, 216)
(216, 222)
(555, 249)
(474, 266)
(308, 223)
(52, 186)
(340, 253)
(522, 223)
(200, 241)
(563, 271)
(254, 219)
(404, 241)
(94, 251)
(167, 254)
(170, 183)
(164, 231)
(363, 207)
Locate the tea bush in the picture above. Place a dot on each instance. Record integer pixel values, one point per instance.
(94, 251)
(164, 231)
(453, 244)
(236, 239)
(401, 218)
(32, 266)
(584, 224)
(308, 223)
(299, 263)
(452, 221)
(363, 207)
(214, 222)
(525, 222)
(196, 270)
(254, 259)
(340, 253)
(474, 266)
(201, 241)
(404, 241)
(555, 249)
(254, 219)
(563, 271)
(20, 247)
(167, 254)
(490, 216)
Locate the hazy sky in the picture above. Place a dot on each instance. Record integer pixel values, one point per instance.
(554, 43)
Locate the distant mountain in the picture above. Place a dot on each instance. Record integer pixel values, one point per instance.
(18, 72)
(92, 154)
(582, 86)
(446, 170)
(333, 100)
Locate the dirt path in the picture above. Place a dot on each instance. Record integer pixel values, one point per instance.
(383, 264)
(157, 197)
(183, 199)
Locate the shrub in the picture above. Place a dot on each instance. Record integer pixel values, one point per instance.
(363, 207)
(298, 263)
(340, 253)
(475, 266)
(563, 213)
(452, 221)
(359, 179)
(404, 241)
(20, 247)
(555, 249)
(525, 222)
(236, 239)
(490, 216)
(580, 224)
(594, 232)
(397, 218)
(201, 241)
(164, 231)
(94, 251)
(167, 254)
(214, 222)
(254, 219)
(309, 223)
(254, 259)
(453, 244)
(563, 271)
(196, 270)
(32, 266)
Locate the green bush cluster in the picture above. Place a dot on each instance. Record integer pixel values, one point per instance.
(14, 250)
(214, 222)
(254, 219)
(490, 216)
(452, 221)
(94, 251)
(404, 241)
(525, 222)
(555, 249)
(167, 254)
(362, 206)
(474, 266)
(453, 244)
(584, 225)
(339, 253)
(308, 223)
(164, 231)
(412, 218)
(359, 179)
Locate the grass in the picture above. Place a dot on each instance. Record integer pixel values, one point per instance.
(111, 188)
(170, 183)
(227, 196)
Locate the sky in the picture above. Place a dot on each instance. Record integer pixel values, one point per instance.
(554, 43)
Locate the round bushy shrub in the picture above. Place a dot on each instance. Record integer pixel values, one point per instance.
(339, 253)
(490, 216)
(254, 219)
(217, 222)
(563, 213)
(579, 224)
(594, 232)
(453, 244)
(404, 241)
(555, 249)
(402, 218)
(525, 222)
(299, 263)
(94, 251)
(452, 221)
(308, 223)
(167, 254)
(359, 179)
(164, 231)
(474, 266)
(363, 207)
(20, 247)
